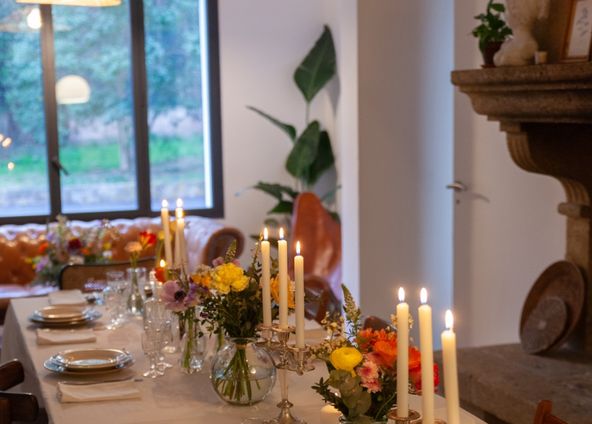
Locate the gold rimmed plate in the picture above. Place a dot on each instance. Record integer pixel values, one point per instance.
(60, 313)
(89, 361)
(89, 316)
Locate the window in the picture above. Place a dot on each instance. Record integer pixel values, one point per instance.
(109, 110)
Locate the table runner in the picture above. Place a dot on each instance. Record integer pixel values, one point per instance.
(174, 398)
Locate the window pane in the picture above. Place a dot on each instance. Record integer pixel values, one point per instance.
(23, 164)
(177, 115)
(95, 108)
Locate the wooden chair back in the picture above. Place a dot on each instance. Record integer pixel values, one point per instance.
(319, 299)
(543, 414)
(375, 323)
(76, 276)
(22, 407)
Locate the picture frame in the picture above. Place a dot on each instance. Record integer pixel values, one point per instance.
(578, 36)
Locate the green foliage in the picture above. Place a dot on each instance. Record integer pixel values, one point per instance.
(493, 28)
(352, 312)
(318, 67)
(311, 155)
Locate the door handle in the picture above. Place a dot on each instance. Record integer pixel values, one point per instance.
(457, 186)
(58, 165)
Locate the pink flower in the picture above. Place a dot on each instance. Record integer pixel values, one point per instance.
(373, 386)
(368, 371)
(220, 261)
(173, 296)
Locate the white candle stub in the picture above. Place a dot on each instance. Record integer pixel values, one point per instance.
(330, 415)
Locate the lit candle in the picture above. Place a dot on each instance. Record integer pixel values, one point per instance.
(299, 280)
(180, 257)
(164, 217)
(330, 415)
(427, 358)
(265, 278)
(450, 371)
(402, 356)
(283, 279)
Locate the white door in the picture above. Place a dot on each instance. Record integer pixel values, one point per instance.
(506, 229)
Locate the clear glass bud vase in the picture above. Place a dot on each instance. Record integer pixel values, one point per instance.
(242, 373)
(135, 300)
(193, 344)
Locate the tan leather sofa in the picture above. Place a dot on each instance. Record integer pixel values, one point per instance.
(206, 240)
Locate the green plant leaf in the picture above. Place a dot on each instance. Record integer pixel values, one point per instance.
(282, 207)
(276, 190)
(323, 161)
(304, 152)
(498, 7)
(318, 67)
(287, 128)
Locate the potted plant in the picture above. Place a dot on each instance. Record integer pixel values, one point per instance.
(492, 31)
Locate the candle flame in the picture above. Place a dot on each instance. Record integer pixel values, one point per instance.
(165, 204)
(162, 263)
(298, 248)
(449, 319)
(265, 234)
(423, 295)
(281, 233)
(179, 202)
(401, 294)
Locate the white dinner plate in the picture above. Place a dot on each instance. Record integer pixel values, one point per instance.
(89, 361)
(89, 316)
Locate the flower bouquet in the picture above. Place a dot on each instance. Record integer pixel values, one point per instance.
(64, 246)
(362, 381)
(242, 373)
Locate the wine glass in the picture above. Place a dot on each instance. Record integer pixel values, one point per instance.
(150, 346)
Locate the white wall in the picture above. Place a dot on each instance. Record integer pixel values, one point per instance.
(405, 126)
(507, 230)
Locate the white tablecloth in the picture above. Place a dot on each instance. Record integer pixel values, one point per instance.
(174, 398)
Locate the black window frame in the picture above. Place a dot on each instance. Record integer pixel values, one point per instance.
(140, 119)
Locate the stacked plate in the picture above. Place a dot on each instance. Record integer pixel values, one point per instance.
(64, 316)
(89, 361)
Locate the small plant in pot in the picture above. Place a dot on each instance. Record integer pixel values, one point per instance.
(492, 31)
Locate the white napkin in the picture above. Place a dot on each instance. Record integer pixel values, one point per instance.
(53, 337)
(117, 390)
(67, 297)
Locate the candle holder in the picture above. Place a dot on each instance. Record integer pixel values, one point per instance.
(414, 417)
(286, 358)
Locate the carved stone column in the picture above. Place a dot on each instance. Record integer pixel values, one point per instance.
(546, 112)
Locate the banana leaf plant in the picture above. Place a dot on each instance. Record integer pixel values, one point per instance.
(311, 154)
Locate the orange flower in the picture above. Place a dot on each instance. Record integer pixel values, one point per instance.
(414, 358)
(43, 248)
(85, 251)
(275, 292)
(147, 239)
(160, 274)
(386, 351)
(202, 279)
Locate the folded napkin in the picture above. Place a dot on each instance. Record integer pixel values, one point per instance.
(53, 337)
(67, 297)
(117, 390)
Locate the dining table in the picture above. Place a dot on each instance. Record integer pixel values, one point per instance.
(174, 397)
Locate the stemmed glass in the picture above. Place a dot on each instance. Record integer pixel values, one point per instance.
(151, 345)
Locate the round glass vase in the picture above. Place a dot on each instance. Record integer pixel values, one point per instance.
(135, 300)
(193, 344)
(344, 420)
(242, 373)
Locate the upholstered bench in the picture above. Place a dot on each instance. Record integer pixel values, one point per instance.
(206, 240)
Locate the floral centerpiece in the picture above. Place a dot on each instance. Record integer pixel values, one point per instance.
(64, 245)
(362, 381)
(146, 239)
(242, 373)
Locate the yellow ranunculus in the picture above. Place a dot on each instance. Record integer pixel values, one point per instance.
(346, 358)
(229, 276)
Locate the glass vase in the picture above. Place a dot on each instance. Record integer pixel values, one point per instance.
(193, 344)
(242, 373)
(135, 300)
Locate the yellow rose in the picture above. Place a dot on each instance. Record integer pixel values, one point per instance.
(346, 358)
(275, 292)
(229, 276)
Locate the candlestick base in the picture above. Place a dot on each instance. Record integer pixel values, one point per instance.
(413, 417)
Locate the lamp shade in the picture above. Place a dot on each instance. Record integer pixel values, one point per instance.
(72, 89)
(91, 3)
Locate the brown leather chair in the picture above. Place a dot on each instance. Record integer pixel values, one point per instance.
(320, 236)
(375, 323)
(76, 276)
(22, 407)
(543, 414)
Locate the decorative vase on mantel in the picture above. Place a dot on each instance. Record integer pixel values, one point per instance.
(135, 302)
(242, 372)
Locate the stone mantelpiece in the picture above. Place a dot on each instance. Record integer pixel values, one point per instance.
(546, 112)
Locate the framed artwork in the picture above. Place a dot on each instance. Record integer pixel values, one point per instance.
(578, 38)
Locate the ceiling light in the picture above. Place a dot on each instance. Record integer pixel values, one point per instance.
(34, 18)
(72, 89)
(6, 142)
(10, 166)
(91, 3)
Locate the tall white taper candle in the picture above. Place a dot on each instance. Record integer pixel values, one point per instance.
(283, 279)
(299, 282)
(427, 358)
(164, 217)
(265, 278)
(450, 370)
(402, 356)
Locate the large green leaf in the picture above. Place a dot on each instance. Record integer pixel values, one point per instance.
(304, 152)
(282, 207)
(318, 67)
(276, 190)
(287, 128)
(324, 159)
